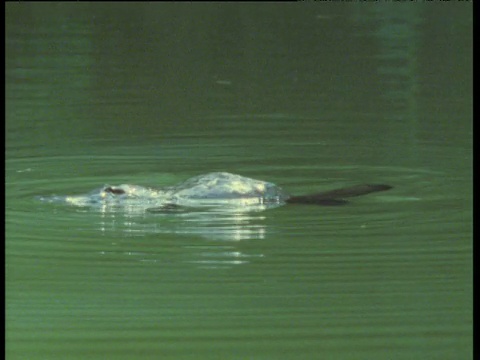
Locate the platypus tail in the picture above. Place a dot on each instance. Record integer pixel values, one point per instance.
(336, 197)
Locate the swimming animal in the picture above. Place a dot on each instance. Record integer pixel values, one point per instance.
(217, 189)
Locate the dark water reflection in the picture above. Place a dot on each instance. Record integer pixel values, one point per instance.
(309, 96)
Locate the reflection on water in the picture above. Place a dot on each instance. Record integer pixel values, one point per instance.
(398, 54)
(205, 257)
(212, 224)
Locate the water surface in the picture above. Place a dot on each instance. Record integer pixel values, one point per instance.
(308, 96)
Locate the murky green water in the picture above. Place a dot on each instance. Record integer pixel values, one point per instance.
(309, 96)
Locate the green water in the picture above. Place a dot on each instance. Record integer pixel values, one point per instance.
(310, 96)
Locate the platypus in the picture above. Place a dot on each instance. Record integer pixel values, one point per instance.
(231, 187)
